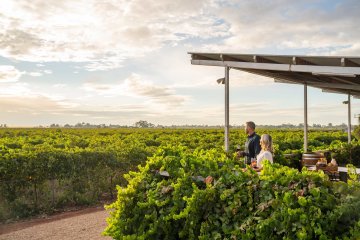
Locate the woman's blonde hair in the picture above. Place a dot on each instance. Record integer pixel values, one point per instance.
(266, 143)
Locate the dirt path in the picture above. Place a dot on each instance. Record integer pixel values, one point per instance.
(84, 224)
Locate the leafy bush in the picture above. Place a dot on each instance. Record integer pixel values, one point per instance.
(356, 132)
(168, 199)
(42, 170)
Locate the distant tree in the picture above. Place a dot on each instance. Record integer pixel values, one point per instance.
(144, 124)
(343, 125)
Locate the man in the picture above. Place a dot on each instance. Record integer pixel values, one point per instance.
(252, 144)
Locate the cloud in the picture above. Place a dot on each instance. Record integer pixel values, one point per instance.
(157, 94)
(35, 74)
(102, 34)
(60, 85)
(280, 26)
(9, 74)
(135, 87)
(43, 110)
(35, 110)
(16, 89)
(351, 50)
(28, 104)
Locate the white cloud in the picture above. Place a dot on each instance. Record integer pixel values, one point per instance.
(283, 26)
(157, 94)
(352, 50)
(35, 74)
(28, 104)
(38, 73)
(9, 74)
(151, 38)
(16, 89)
(100, 33)
(60, 85)
(135, 87)
(103, 34)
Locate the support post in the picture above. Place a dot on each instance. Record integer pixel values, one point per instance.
(349, 119)
(305, 119)
(227, 133)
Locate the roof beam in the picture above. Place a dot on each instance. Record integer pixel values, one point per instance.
(283, 75)
(301, 61)
(318, 84)
(337, 77)
(225, 57)
(258, 59)
(198, 57)
(317, 70)
(331, 90)
(208, 63)
(302, 77)
(334, 88)
(345, 62)
(336, 74)
(335, 85)
(343, 80)
(281, 80)
(331, 74)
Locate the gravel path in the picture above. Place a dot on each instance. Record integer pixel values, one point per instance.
(84, 226)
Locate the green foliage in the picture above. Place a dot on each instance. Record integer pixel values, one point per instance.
(43, 170)
(356, 132)
(280, 203)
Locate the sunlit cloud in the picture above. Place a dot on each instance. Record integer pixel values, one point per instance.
(35, 74)
(15, 89)
(279, 26)
(9, 74)
(60, 85)
(100, 34)
(135, 87)
(63, 61)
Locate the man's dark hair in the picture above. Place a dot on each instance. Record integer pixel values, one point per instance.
(251, 125)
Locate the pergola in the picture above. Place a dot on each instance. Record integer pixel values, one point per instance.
(330, 73)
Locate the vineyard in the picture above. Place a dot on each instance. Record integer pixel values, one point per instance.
(281, 203)
(45, 170)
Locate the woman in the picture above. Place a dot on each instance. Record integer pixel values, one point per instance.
(266, 152)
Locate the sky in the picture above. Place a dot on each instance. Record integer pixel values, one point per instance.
(121, 61)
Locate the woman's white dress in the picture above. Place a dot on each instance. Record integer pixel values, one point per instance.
(263, 155)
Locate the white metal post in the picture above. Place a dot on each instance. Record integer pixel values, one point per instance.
(349, 119)
(305, 119)
(227, 109)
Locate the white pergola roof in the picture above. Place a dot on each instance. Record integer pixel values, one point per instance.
(329, 73)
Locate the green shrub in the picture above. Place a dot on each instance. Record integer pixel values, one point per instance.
(281, 203)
